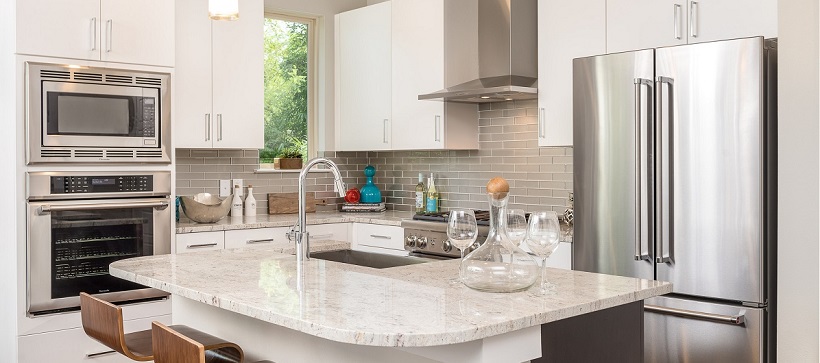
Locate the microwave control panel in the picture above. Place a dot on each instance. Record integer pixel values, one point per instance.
(101, 184)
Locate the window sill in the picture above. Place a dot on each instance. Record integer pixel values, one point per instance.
(276, 171)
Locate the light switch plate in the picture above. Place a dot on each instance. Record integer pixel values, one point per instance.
(241, 186)
(224, 188)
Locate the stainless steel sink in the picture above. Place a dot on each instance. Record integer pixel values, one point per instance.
(368, 259)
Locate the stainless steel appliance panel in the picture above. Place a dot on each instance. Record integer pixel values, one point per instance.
(612, 103)
(711, 155)
(694, 331)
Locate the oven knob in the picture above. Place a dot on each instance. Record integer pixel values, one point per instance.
(410, 241)
(422, 242)
(447, 246)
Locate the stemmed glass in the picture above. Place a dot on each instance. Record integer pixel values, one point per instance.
(462, 230)
(542, 239)
(516, 226)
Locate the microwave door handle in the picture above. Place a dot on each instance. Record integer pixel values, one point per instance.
(45, 209)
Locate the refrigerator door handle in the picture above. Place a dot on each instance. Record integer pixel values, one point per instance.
(738, 319)
(664, 174)
(641, 217)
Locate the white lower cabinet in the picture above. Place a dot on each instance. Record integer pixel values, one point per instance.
(258, 237)
(333, 231)
(200, 241)
(378, 238)
(74, 346)
(561, 257)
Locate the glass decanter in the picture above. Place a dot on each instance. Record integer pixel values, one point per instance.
(498, 265)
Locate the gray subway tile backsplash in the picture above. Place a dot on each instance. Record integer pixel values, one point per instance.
(540, 178)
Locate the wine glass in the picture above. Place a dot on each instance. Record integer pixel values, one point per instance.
(542, 239)
(462, 231)
(516, 226)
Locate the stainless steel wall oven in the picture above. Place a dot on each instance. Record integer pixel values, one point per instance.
(94, 115)
(79, 223)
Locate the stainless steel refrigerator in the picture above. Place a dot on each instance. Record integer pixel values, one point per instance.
(674, 177)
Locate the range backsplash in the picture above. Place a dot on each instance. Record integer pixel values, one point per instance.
(540, 178)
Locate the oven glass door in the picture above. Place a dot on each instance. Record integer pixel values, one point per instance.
(73, 243)
(91, 115)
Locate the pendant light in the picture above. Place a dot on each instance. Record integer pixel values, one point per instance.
(223, 9)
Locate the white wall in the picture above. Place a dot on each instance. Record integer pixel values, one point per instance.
(323, 10)
(8, 161)
(798, 198)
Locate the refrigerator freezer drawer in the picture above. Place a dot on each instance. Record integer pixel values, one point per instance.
(712, 337)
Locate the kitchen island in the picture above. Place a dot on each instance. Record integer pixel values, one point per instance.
(345, 313)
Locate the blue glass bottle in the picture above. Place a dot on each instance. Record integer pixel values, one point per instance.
(370, 192)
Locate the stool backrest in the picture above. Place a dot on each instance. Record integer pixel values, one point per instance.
(173, 347)
(102, 321)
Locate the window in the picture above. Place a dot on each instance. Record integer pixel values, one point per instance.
(289, 89)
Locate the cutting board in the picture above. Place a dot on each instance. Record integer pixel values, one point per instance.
(286, 203)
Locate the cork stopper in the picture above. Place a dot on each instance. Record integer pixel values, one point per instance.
(498, 187)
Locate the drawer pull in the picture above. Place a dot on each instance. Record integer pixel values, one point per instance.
(255, 241)
(380, 236)
(201, 245)
(100, 354)
(322, 236)
(738, 319)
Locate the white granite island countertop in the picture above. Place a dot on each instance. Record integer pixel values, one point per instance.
(393, 307)
(390, 218)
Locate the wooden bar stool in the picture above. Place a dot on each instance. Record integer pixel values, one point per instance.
(171, 346)
(102, 321)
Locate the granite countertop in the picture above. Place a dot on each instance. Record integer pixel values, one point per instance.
(393, 307)
(389, 218)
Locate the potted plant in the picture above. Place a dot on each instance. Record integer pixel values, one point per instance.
(290, 158)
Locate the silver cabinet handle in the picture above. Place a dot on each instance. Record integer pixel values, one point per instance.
(738, 319)
(207, 127)
(380, 236)
(45, 209)
(693, 19)
(676, 20)
(100, 354)
(542, 115)
(438, 128)
(219, 127)
(109, 32)
(322, 236)
(664, 175)
(640, 223)
(93, 34)
(202, 245)
(257, 241)
(384, 130)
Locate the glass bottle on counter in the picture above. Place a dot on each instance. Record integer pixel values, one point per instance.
(498, 265)
(432, 196)
(421, 192)
(236, 203)
(250, 203)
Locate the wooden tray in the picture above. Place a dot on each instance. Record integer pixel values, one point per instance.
(287, 203)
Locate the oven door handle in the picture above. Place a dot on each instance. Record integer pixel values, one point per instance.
(45, 209)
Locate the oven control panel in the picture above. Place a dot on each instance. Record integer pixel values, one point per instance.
(101, 184)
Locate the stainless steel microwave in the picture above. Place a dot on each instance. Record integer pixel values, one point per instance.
(97, 115)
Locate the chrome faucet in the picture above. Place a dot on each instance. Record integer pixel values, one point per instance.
(299, 232)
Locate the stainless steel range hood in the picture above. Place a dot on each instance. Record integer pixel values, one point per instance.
(491, 51)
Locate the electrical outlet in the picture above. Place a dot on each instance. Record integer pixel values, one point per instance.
(241, 186)
(225, 189)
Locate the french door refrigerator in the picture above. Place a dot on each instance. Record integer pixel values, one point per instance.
(674, 177)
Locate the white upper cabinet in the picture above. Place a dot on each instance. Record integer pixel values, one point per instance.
(219, 89)
(363, 78)
(641, 24)
(387, 55)
(566, 30)
(135, 31)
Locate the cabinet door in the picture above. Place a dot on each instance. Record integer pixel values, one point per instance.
(364, 78)
(200, 241)
(332, 231)
(193, 118)
(59, 28)
(257, 237)
(729, 19)
(566, 30)
(641, 24)
(417, 68)
(375, 235)
(138, 31)
(238, 79)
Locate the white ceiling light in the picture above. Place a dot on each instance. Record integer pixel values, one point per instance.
(223, 9)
